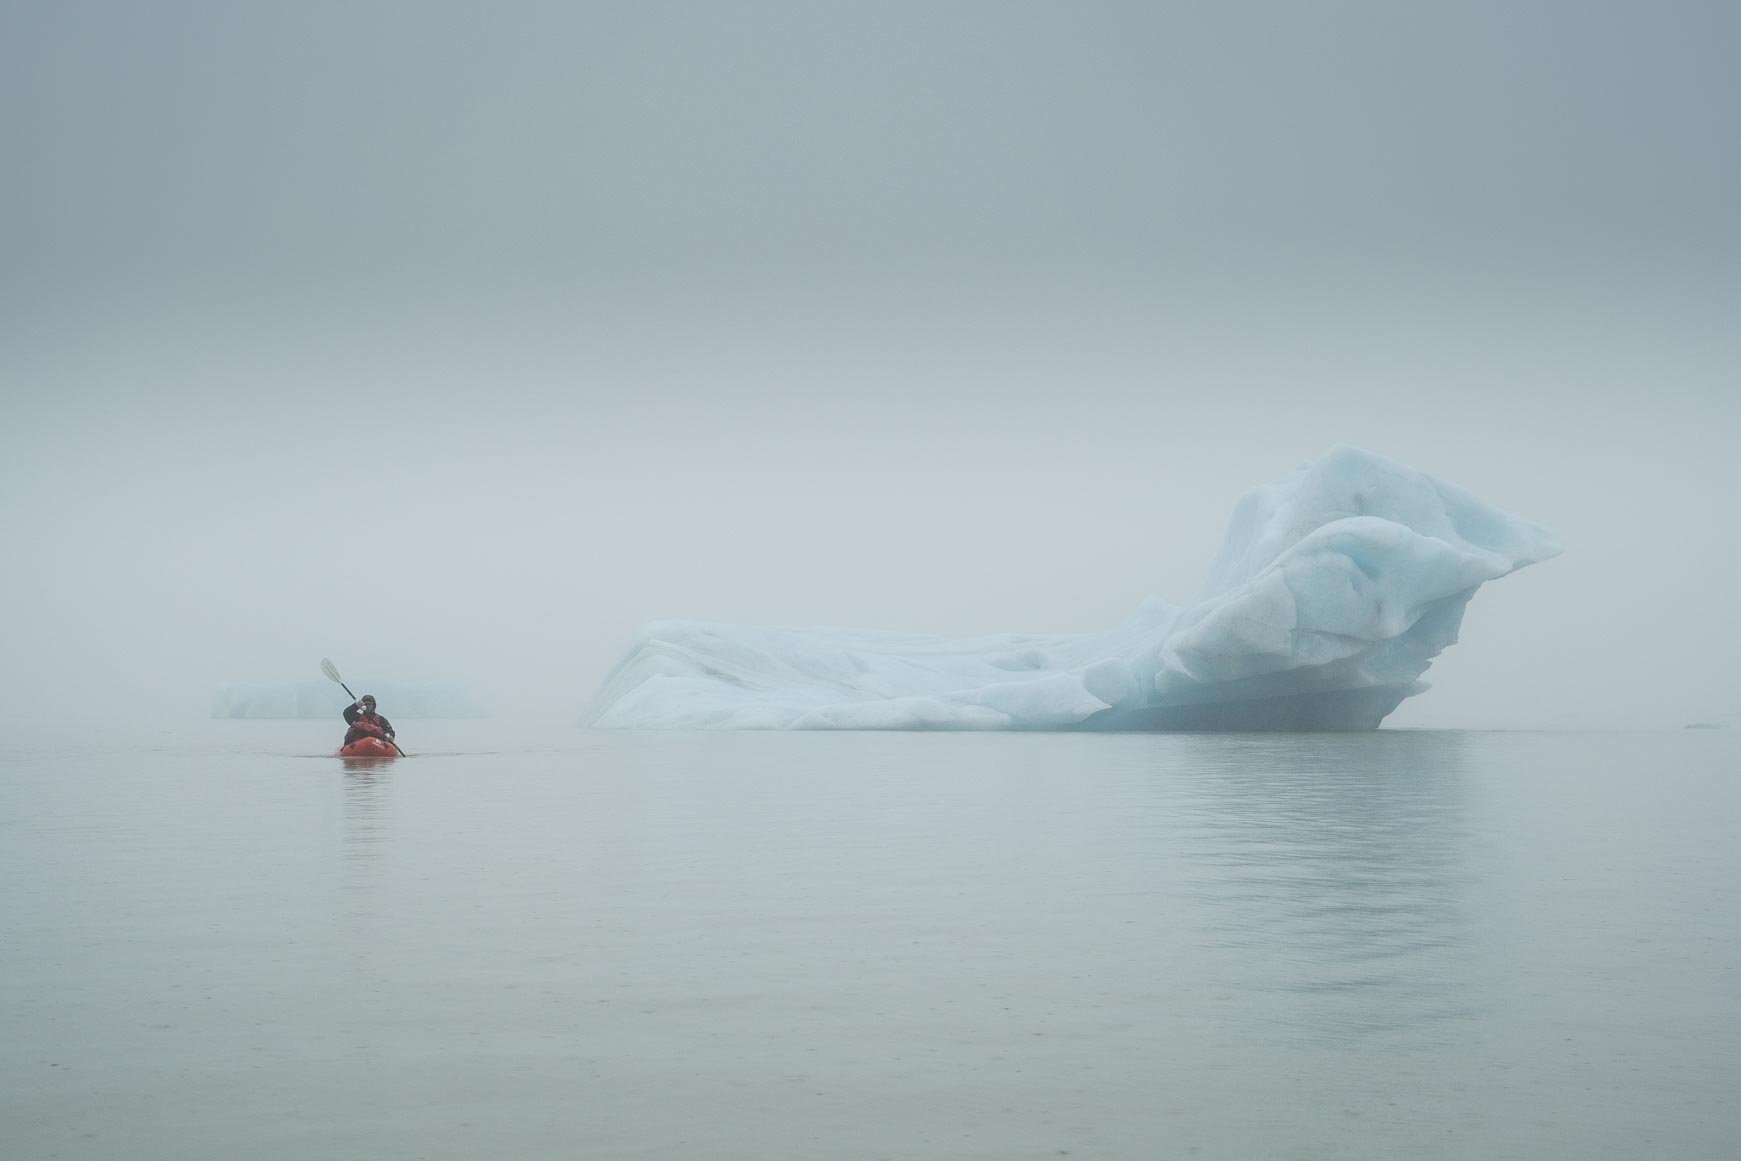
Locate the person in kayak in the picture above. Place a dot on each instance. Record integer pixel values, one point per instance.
(364, 722)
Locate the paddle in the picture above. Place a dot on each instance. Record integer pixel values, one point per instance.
(332, 671)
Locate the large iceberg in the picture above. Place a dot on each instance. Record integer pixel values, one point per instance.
(323, 699)
(1333, 592)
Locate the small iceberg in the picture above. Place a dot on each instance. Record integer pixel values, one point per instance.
(323, 699)
(1333, 592)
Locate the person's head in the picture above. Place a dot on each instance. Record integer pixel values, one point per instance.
(368, 700)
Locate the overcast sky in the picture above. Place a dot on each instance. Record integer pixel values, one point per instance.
(456, 340)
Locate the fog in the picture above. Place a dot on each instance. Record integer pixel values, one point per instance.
(456, 341)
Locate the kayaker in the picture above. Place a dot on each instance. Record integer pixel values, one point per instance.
(360, 715)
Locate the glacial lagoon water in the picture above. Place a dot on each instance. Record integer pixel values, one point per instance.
(217, 942)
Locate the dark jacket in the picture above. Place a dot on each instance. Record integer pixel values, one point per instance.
(352, 713)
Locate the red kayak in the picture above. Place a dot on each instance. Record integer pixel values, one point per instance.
(368, 748)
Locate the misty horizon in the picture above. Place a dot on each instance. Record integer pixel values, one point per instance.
(458, 345)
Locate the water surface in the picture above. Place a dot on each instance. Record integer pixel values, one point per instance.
(216, 942)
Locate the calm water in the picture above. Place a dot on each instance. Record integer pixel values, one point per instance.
(214, 943)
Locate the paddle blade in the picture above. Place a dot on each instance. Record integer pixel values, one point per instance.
(331, 670)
